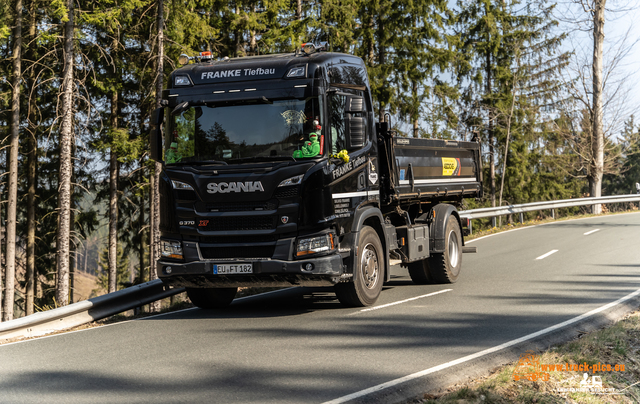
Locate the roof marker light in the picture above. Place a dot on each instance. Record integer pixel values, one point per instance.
(249, 89)
(184, 59)
(219, 92)
(234, 91)
(309, 48)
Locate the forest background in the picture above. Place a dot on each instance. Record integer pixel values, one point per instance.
(535, 81)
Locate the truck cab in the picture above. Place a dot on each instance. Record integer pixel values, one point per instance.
(272, 177)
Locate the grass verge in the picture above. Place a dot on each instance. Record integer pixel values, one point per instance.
(617, 344)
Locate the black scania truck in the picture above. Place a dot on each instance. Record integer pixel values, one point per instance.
(276, 174)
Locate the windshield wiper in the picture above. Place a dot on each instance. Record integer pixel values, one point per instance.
(199, 163)
(261, 158)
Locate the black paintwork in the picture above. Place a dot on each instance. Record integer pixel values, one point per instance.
(261, 226)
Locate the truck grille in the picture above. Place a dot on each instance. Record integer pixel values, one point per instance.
(242, 206)
(231, 223)
(287, 192)
(237, 252)
(239, 239)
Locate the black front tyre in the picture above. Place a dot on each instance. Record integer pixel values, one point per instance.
(368, 276)
(445, 267)
(211, 298)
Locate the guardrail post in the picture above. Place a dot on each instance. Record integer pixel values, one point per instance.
(521, 217)
(553, 214)
(493, 221)
(470, 227)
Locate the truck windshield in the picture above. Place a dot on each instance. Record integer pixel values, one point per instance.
(244, 132)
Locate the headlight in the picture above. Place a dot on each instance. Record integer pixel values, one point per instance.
(314, 245)
(181, 81)
(181, 185)
(292, 181)
(171, 249)
(299, 71)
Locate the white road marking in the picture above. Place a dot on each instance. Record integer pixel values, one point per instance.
(402, 301)
(480, 354)
(543, 256)
(591, 232)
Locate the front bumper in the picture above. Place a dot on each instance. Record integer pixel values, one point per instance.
(327, 271)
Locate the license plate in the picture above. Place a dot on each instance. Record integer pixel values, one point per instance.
(227, 269)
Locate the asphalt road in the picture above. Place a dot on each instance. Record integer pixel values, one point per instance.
(300, 346)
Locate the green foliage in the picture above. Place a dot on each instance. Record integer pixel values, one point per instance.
(122, 273)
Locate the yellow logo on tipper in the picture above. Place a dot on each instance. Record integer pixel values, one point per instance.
(450, 166)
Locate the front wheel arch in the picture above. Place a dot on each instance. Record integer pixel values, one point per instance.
(372, 217)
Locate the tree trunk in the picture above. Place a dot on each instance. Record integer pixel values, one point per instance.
(506, 147)
(113, 200)
(253, 42)
(415, 114)
(490, 130)
(237, 35)
(85, 256)
(141, 246)
(10, 269)
(154, 203)
(13, 166)
(32, 161)
(72, 219)
(371, 51)
(381, 60)
(31, 223)
(595, 182)
(64, 190)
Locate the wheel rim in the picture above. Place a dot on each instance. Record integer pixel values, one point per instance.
(369, 266)
(454, 252)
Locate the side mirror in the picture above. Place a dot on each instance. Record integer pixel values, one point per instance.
(155, 137)
(355, 122)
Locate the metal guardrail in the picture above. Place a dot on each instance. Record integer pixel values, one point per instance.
(113, 303)
(545, 205)
(84, 312)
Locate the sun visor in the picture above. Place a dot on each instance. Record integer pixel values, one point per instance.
(232, 93)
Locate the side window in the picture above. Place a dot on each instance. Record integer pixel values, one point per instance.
(337, 104)
(347, 121)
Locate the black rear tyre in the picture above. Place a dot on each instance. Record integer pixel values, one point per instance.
(369, 272)
(419, 272)
(211, 298)
(445, 267)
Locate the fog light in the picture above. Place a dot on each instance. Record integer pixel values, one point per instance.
(308, 266)
(167, 270)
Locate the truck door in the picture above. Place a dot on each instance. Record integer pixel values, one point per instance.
(352, 172)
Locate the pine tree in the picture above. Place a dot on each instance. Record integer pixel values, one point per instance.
(10, 269)
(123, 276)
(66, 139)
(420, 53)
